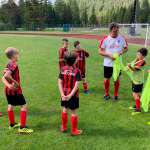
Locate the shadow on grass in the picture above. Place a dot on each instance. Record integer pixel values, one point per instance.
(114, 132)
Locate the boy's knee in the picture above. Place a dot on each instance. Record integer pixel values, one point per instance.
(10, 108)
(64, 109)
(73, 112)
(24, 107)
(135, 95)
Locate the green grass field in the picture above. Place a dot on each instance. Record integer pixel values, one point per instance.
(107, 125)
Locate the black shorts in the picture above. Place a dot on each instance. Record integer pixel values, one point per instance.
(16, 100)
(137, 88)
(72, 104)
(108, 72)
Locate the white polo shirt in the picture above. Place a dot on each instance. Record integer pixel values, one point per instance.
(111, 46)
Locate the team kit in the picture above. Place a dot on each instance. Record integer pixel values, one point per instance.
(72, 71)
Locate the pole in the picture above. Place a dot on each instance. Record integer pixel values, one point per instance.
(146, 38)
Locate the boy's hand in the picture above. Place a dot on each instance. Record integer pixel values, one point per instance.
(11, 87)
(66, 98)
(16, 85)
(129, 65)
(120, 53)
(111, 56)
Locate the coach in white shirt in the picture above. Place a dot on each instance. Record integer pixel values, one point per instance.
(113, 43)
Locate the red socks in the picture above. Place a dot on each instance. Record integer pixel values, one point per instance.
(23, 116)
(85, 86)
(11, 117)
(116, 86)
(74, 123)
(137, 102)
(64, 118)
(106, 86)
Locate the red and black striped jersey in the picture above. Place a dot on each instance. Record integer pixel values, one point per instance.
(14, 69)
(81, 59)
(62, 52)
(139, 63)
(69, 75)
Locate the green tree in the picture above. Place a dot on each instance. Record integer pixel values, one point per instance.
(144, 11)
(93, 18)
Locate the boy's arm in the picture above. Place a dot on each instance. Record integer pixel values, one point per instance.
(5, 79)
(60, 82)
(74, 90)
(8, 77)
(86, 53)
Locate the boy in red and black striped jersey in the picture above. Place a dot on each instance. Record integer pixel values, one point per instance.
(62, 52)
(13, 91)
(68, 83)
(81, 63)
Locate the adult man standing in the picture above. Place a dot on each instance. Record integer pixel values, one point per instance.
(113, 43)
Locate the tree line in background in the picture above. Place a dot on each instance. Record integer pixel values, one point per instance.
(40, 14)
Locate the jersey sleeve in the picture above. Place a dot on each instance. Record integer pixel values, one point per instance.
(125, 43)
(60, 76)
(102, 43)
(78, 76)
(11, 67)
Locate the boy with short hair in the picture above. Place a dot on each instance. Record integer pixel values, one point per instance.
(137, 67)
(81, 63)
(68, 83)
(13, 91)
(62, 51)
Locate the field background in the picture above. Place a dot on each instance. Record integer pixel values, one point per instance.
(107, 125)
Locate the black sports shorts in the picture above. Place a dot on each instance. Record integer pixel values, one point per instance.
(72, 104)
(16, 100)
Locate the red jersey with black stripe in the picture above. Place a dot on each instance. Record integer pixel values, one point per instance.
(81, 60)
(62, 52)
(14, 69)
(69, 75)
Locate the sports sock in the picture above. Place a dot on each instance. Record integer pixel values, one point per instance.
(23, 116)
(74, 123)
(85, 86)
(116, 87)
(106, 86)
(64, 118)
(11, 117)
(137, 102)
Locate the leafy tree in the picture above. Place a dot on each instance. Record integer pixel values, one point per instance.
(93, 18)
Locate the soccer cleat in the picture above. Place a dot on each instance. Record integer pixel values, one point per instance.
(115, 98)
(25, 130)
(136, 112)
(132, 107)
(63, 130)
(106, 97)
(86, 92)
(76, 132)
(16, 125)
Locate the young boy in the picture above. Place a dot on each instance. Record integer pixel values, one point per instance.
(62, 52)
(13, 91)
(68, 83)
(138, 77)
(81, 63)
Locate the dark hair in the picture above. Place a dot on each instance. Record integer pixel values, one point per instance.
(70, 58)
(10, 52)
(143, 51)
(76, 43)
(113, 25)
(65, 40)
